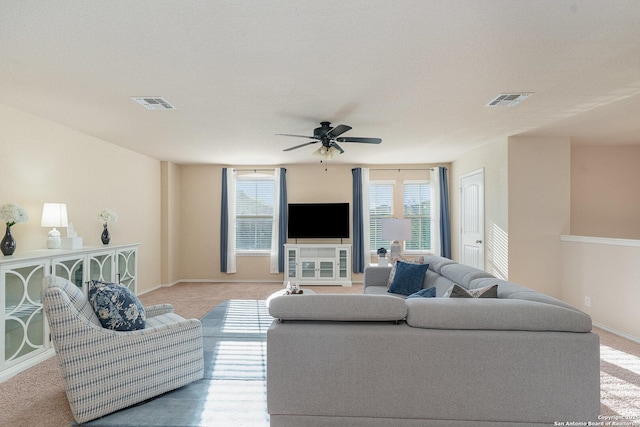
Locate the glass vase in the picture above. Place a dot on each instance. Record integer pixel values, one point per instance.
(8, 243)
(105, 236)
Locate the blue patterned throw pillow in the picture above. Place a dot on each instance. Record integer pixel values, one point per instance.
(116, 306)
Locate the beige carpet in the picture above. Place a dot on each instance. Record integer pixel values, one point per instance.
(35, 397)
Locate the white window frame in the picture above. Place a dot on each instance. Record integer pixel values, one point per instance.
(253, 252)
(398, 198)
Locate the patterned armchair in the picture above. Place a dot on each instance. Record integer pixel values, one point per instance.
(105, 370)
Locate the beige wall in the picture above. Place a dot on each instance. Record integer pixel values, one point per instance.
(170, 222)
(492, 159)
(200, 225)
(539, 210)
(604, 270)
(527, 190)
(45, 162)
(604, 191)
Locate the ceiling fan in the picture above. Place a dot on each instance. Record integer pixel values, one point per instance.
(330, 136)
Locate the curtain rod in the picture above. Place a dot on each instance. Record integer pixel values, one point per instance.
(254, 170)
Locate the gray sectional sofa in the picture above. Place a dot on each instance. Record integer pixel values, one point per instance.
(376, 360)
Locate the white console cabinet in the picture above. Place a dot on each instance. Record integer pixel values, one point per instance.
(321, 264)
(22, 321)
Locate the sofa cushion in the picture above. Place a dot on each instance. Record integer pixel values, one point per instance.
(463, 274)
(408, 278)
(457, 291)
(338, 307)
(424, 293)
(116, 306)
(493, 314)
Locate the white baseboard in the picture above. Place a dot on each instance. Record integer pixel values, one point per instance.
(616, 332)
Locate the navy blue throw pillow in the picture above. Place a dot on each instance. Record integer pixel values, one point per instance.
(424, 293)
(116, 306)
(408, 278)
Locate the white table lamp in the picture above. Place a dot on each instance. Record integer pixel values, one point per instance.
(396, 230)
(54, 215)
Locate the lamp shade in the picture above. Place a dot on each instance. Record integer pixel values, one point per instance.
(54, 215)
(396, 229)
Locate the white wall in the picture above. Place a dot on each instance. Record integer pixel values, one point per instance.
(42, 161)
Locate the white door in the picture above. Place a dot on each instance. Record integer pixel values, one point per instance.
(472, 219)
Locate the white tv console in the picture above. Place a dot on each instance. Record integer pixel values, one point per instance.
(318, 264)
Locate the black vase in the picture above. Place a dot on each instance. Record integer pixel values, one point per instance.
(8, 243)
(105, 236)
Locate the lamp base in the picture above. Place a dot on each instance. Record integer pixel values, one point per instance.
(54, 241)
(396, 251)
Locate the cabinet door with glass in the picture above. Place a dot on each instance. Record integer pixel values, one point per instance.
(126, 268)
(101, 266)
(292, 264)
(72, 268)
(343, 263)
(23, 326)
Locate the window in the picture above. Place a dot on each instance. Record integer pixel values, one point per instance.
(416, 199)
(254, 213)
(417, 208)
(380, 206)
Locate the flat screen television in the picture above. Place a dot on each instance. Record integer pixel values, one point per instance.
(318, 220)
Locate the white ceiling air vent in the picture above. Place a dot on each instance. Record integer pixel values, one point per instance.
(508, 99)
(153, 103)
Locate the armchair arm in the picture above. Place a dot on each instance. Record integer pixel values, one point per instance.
(158, 309)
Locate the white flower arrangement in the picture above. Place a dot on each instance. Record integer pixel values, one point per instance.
(107, 215)
(12, 214)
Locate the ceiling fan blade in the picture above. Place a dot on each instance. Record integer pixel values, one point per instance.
(297, 136)
(362, 140)
(338, 130)
(299, 146)
(333, 144)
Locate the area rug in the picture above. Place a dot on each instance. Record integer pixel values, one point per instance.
(233, 391)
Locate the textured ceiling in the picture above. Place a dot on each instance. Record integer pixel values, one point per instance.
(417, 74)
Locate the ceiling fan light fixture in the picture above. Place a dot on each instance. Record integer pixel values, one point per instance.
(325, 152)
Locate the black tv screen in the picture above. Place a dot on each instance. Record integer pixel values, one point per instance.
(318, 220)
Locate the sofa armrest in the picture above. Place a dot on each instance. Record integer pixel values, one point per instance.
(338, 307)
(376, 275)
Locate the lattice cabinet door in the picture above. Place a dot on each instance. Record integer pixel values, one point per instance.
(102, 266)
(23, 326)
(127, 267)
(72, 268)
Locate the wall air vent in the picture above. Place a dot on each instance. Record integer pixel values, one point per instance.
(153, 103)
(508, 99)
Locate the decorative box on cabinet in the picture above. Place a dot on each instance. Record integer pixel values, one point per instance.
(318, 264)
(22, 322)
